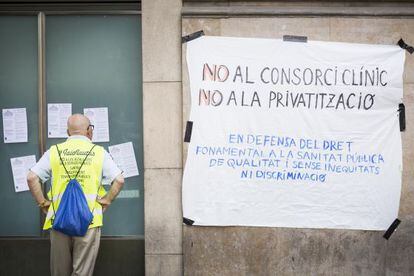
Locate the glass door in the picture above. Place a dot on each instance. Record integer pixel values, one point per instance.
(95, 61)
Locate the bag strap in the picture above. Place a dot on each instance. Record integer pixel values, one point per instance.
(60, 157)
(67, 173)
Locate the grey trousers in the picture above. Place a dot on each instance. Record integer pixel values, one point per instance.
(74, 256)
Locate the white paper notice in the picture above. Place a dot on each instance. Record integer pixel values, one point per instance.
(57, 118)
(20, 167)
(99, 118)
(15, 125)
(124, 157)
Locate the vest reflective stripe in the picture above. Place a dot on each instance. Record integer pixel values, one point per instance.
(73, 152)
(89, 197)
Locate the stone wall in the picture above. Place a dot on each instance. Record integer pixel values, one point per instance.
(282, 251)
(162, 107)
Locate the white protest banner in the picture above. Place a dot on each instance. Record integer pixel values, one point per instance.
(289, 134)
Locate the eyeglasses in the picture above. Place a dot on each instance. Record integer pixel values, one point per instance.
(91, 126)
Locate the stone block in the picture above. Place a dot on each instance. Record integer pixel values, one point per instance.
(368, 30)
(276, 27)
(163, 265)
(208, 25)
(162, 111)
(282, 251)
(357, 252)
(400, 249)
(407, 191)
(163, 211)
(406, 33)
(161, 40)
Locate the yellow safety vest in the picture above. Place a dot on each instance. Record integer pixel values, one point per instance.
(73, 152)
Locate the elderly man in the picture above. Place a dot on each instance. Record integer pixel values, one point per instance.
(91, 165)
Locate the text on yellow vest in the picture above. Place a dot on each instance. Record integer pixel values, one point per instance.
(73, 152)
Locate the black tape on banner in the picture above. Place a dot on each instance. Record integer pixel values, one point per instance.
(188, 131)
(403, 45)
(188, 221)
(401, 110)
(391, 229)
(295, 38)
(192, 36)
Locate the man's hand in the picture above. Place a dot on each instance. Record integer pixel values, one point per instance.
(45, 206)
(113, 192)
(105, 202)
(33, 181)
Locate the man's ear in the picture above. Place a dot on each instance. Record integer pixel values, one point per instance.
(89, 133)
(67, 131)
